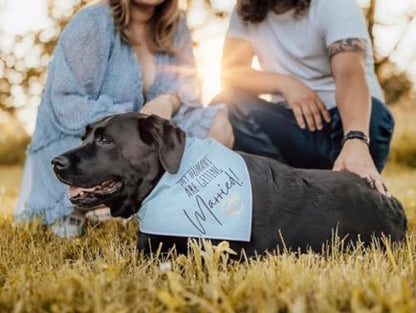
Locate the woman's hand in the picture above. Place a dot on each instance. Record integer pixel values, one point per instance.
(164, 106)
(305, 103)
(355, 158)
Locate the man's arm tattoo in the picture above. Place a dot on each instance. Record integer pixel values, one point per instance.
(347, 45)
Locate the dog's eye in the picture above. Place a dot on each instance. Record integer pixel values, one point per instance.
(104, 140)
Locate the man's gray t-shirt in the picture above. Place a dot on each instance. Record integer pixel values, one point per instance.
(298, 46)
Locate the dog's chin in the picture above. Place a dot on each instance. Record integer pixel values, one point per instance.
(124, 212)
(88, 197)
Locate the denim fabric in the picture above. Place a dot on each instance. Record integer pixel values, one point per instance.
(270, 129)
(94, 73)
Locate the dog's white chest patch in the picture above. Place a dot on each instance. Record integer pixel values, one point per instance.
(209, 197)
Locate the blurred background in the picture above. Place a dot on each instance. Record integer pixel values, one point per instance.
(29, 30)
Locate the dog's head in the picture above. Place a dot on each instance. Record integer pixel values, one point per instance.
(120, 160)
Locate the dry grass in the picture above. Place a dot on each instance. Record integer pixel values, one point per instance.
(103, 272)
(404, 140)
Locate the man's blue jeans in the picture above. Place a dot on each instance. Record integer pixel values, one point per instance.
(270, 129)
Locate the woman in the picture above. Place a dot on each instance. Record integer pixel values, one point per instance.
(317, 63)
(124, 55)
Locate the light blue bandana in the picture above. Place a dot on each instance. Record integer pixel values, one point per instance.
(209, 197)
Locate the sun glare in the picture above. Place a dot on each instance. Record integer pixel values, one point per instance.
(21, 16)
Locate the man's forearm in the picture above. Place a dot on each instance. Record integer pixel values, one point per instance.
(352, 93)
(253, 81)
(354, 102)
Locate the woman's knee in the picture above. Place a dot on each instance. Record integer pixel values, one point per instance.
(240, 104)
(221, 130)
(231, 96)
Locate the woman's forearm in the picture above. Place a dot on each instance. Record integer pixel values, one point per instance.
(253, 81)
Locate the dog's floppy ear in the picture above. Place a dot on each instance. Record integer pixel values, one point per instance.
(168, 138)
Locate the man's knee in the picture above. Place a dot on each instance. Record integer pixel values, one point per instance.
(381, 132)
(221, 130)
(382, 121)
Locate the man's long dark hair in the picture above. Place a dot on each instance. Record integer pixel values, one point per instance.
(255, 11)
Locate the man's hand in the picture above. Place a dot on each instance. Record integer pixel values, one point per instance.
(305, 103)
(348, 59)
(163, 106)
(355, 158)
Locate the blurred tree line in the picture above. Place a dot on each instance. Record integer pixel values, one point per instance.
(23, 70)
(23, 66)
(395, 82)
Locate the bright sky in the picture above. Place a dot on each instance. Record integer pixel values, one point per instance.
(20, 16)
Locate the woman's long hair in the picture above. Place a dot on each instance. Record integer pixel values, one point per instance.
(255, 11)
(161, 28)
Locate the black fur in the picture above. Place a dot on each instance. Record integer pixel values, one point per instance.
(302, 207)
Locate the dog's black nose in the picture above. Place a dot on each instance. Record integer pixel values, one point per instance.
(61, 162)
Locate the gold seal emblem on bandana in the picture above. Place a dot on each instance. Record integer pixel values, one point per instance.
(232, 206)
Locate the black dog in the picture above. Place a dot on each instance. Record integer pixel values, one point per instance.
(122, 158)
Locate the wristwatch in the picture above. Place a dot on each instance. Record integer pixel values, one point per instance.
(355, 134)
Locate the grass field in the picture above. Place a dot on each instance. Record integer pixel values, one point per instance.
(103, 272)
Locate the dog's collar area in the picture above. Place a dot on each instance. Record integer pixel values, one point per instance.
(209, 197)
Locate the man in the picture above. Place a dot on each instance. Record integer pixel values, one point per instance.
(317, 63)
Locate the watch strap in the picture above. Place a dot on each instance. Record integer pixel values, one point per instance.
(355, 134)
